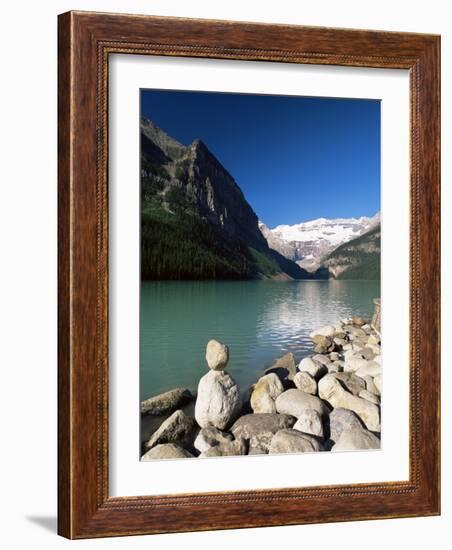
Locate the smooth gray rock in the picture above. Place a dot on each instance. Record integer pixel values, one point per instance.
(340, 342)
(314, 368)
(356, 440)
(367, 353)
(378, 382)
(305, 382)
(178, 428)
(336, 395)
(293, 441)
(217, 355)
(210, 437)
(237, 447)
(166, 402)
(335, 367)
(322, 359)
(372, 397)
(354, 384)
(218, 401)
(371, 369)
(354, 332)
(343, 419)
(295, 402)
(370, 386)
(354, 362)
(251, 425)
(166, 450)
(310, 422)
(265, 391)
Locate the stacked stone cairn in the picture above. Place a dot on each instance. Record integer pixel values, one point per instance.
(329, 402)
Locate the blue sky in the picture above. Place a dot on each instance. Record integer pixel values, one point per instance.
(295, 158)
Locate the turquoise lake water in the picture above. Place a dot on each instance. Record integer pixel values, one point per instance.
(258, 320)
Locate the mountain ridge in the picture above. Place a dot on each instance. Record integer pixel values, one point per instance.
(308, 243)
(188, 195)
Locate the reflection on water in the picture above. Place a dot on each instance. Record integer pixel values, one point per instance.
(258, 320)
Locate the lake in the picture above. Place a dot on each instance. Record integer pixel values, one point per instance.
(258, 320)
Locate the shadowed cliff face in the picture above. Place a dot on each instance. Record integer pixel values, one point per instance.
(188, 186)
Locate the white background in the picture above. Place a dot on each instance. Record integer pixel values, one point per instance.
(128, 476)
(28, 274)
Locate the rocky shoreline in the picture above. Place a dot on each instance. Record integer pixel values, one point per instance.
(330, 401)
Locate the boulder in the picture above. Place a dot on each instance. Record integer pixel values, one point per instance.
(367, 353)
(304, 382)
(358, 321)
(315, 369)
(335, 367)
(166, 450)
(371, 369)
(217, 355)
(178, 428)
(377, 382)
(354, 363)
(355, 333)
(229, 448)
(251, 425)
(339, 342)
(310, 422)
(166, 402)
(322, 359)
(354, 384)
(323, 344)
(356, 440)
(343, 420)
(365, 394)
(259, 444)
(284, 367)
(292, 441)
(336, 395)
(373, 339)
(218, 402)
(211, 437)
(370, 386)
(265, 391)
(256, 451)
(329, 330)
(295, 402)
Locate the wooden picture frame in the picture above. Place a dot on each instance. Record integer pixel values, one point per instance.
(86, 40)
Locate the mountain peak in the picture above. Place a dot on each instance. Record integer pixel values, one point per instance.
(308, 242)
(167, 144)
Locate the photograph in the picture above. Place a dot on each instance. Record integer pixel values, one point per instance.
(260, 274)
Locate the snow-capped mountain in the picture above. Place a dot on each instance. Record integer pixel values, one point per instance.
(309, 242)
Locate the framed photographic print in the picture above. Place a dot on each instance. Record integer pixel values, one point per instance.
(248, 275)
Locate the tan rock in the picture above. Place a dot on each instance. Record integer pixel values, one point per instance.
(265, 392)
(293, 441)
(331, 390)
(294, 402)
(304, 382)
(217, 355)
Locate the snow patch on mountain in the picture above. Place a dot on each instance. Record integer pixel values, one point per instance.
(309, 242)
(335, 231)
